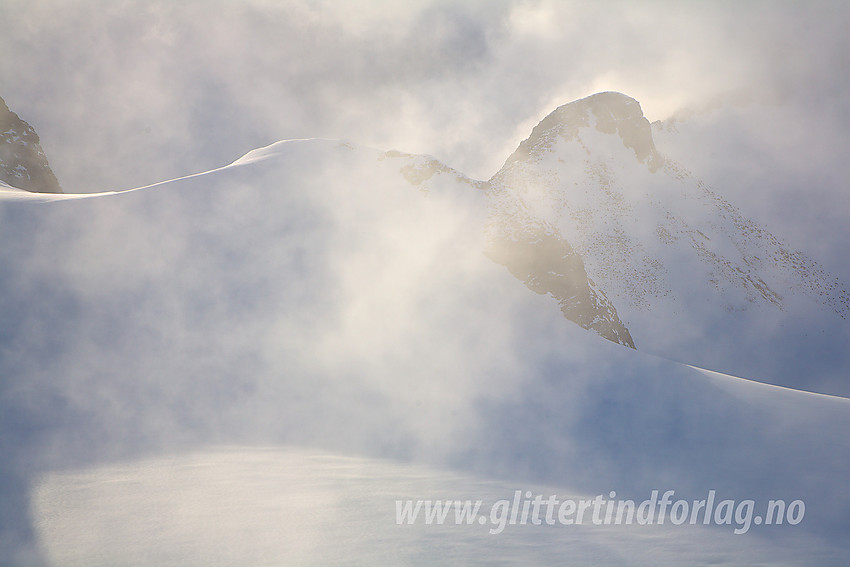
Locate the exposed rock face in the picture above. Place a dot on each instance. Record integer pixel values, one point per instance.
(22, 161)
(547, 264)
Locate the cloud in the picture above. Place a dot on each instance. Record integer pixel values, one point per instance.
(133, 93)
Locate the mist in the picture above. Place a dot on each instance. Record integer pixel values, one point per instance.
(319, 299)
(328, 301)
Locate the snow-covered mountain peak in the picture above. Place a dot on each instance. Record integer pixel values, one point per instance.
(606, 112)
(675, 258)
(636, 223)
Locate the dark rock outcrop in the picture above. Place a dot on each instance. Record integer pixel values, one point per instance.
(22, 161)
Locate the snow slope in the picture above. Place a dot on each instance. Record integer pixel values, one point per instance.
(322, 298)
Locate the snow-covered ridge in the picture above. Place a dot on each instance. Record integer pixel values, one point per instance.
(9, 193)
(275, 150)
